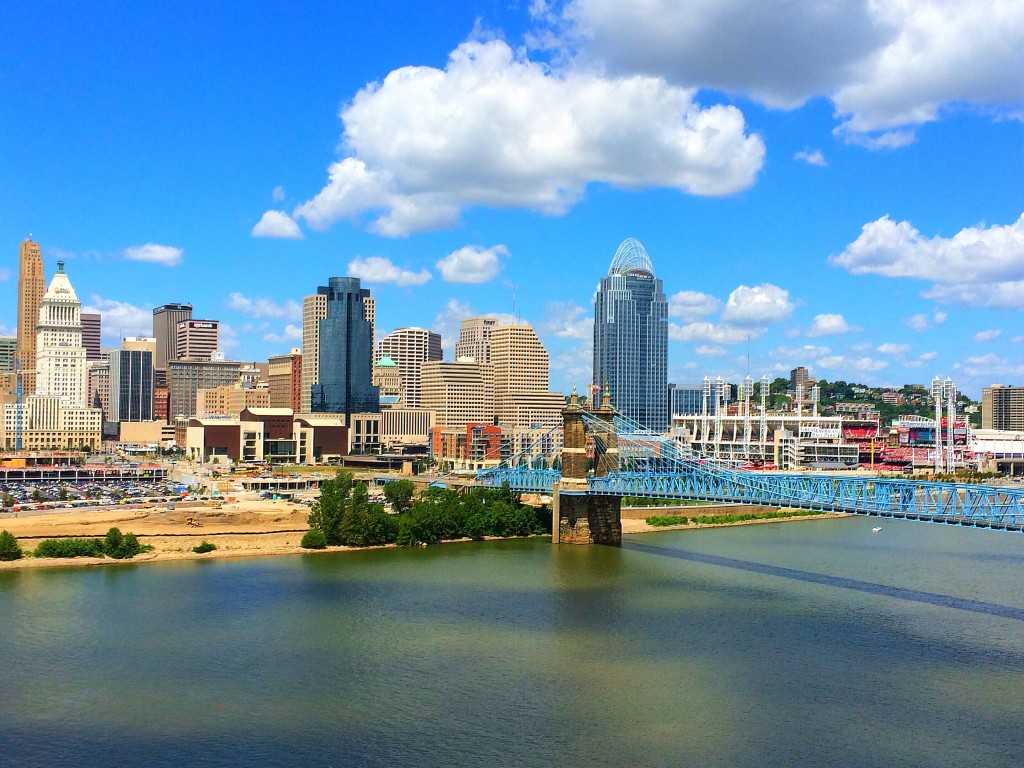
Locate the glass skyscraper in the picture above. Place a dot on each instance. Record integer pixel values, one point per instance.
(346, 352)
(631, 338)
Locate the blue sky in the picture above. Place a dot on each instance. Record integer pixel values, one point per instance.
(817, 183)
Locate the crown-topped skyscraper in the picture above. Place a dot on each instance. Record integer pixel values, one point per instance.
(631, 338)
(60, 356)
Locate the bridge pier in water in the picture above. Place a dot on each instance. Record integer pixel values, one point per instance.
(577, 516)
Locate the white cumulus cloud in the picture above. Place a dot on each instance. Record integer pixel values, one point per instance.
(759, 305)
(980, 266)
(120, 319)
(292, 332)
(894, 349)
(377, 269)
(852, 364)
(829, 325)
(258, 306)
(709, 350)
(277, 224)
(711, 332)
(884, 65)
(496, 129)
(981, 337)
(990, 368)
(167, 255)
(566, 320)
(922, 322)
(692, 305)
(472, 264)
(811, 157)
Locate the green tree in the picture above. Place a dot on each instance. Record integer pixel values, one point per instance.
(112, 542)
(314, 539)
(121, 546)
(328, 511)
(399, 494)
(9, 547)
(37, 496)
(62, 493)
(6, 500)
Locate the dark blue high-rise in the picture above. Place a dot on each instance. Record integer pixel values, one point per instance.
(346, 352)
(631, 338)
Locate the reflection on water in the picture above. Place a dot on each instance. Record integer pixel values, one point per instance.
(812, 643)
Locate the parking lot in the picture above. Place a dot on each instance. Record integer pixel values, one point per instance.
(40, 497)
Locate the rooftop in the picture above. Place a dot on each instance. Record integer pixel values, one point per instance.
(631, 259)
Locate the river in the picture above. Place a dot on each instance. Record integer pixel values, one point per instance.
(816, 643)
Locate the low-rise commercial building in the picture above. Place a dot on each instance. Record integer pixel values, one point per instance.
(267, 434)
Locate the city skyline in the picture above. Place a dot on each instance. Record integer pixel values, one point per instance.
(870, 232)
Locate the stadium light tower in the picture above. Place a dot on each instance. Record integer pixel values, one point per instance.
(765, 386)
(937, 397)
(949, 390)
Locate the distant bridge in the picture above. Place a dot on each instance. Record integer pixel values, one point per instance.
(632, 461)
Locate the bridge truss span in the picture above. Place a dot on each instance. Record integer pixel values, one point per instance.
(651, 465)
(974, 505)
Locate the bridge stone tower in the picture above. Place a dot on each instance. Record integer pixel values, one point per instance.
(578, 516)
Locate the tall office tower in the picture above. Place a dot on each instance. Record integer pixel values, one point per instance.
(92, 324)
(196, 340)
(798, 377)
(60, 357)
(519, 365)
(345, 352)
(31, 286)
(475, 338)
(314, 309)
(8, 349)
(409, 348)
(458, 393)
(131, 380)
(165, 331)
(284, 374)
(631, 337)
(1002, 407)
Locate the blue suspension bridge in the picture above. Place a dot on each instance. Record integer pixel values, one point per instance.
(630, 460)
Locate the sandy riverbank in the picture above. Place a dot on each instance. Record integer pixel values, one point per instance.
(241, 529)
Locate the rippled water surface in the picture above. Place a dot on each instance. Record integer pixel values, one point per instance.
(809, 643)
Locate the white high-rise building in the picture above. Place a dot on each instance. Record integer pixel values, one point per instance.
(475, 338)
(409, 348)
(61, 369)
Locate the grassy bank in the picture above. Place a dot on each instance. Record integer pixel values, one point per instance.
(660, 521)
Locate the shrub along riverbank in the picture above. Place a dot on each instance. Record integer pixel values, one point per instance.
(663, 520)
(344, 515)
(120, 546)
